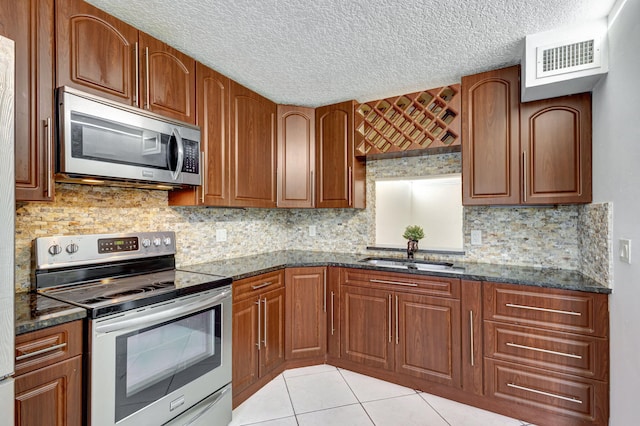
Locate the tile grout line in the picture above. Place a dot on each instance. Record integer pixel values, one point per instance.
(433, 408)
(286, 385)
(357, 399)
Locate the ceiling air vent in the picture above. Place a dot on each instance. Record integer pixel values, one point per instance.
(563, 62)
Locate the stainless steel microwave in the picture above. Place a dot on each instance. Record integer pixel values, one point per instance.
(103, 142)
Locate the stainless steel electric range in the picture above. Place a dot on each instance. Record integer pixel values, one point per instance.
(159, 339)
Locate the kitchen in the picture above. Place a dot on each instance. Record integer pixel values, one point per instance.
(86, 210)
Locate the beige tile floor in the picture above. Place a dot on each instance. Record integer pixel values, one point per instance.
(324, 395)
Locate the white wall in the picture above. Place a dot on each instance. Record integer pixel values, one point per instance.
(616, 167)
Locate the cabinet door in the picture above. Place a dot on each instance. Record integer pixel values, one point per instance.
(340, 178)
(306, 313)
(253, 149)
(427, 338)
(556, 148)
(50, 395)
(95, 52)
(30, 24)
(490, 141)
(245, 344)
(212, 115)
(366, 327)
(272, 333)
(296, 156)
(169, 84)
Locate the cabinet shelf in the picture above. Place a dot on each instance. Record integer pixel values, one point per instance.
(409, 123)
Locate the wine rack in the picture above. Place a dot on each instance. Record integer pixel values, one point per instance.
(409, 124)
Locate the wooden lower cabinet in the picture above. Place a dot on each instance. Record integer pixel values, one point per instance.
(258, 333)
(48, 381)
(306, 313)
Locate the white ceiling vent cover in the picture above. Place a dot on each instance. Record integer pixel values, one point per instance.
(563, 62)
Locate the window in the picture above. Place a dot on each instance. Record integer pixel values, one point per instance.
(434, 203)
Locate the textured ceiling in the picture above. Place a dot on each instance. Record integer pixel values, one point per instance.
(319, 52)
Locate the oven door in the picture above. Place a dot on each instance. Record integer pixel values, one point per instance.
(149, 365)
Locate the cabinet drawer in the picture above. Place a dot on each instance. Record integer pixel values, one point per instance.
(436, 286)
(563, 310)
(45, 347)
(582, 399)
(259, 284)
(562, 352)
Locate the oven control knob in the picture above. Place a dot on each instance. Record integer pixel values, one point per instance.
(72, 248)
(157, 242)
(146, 243)
(167, 241)
(54, 249)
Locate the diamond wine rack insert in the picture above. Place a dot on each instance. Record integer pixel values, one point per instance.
(409, 124)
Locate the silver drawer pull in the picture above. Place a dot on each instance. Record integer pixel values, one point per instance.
(553, 395)
(394, 283)
(256, 287)
(533, 308)
(41, 351)
(547, 351)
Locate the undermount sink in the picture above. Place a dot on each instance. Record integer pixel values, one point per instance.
(411, 264)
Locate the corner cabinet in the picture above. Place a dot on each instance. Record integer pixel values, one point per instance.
(253, 149)
(340, 177)
(30, 23)
(523, 153)
(102, 55)
(48, 380)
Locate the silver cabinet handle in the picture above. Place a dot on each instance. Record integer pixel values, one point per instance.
(471, 337)
(350, 182)
(265, 322)
(393, 282)
(553, 395)
(217, 397)
(40, 351)
(313, 190)
(524, 175)
(203, 174)
(333, 329)
(146, 55)
(324, 289)
(390, 319)
(259, 286)
(49, 153)
(259, 319)
(136, 99)
(534, 308)
(546, 351)
(397, 325)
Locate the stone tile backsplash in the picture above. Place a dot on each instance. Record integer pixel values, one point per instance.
(549, 237)
(595, 224)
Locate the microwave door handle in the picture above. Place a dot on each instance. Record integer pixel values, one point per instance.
(162, 316)
(180, 161)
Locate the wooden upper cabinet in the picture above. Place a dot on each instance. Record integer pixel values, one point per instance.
(212, 115)
(340, 180)
(556, 148)
(253, 149)
(30, 24)
(296, 156)
(490, 138)
(169, 85)
(95, 52)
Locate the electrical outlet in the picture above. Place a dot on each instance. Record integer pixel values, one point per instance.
(476, 237)
(625, 250)
(312, 230)
(221, 235)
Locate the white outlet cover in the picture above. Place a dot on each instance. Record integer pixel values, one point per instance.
(312, 230)
(625, 250)
(221, 235)
(476, 237)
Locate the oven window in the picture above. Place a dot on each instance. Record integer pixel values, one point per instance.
(155, 361)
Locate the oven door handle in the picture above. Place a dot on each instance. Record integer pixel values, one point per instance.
(172, 313)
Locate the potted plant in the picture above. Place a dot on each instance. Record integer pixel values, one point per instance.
(413, 234)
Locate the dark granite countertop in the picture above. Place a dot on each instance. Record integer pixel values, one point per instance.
(34, 312)
(244, 267)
